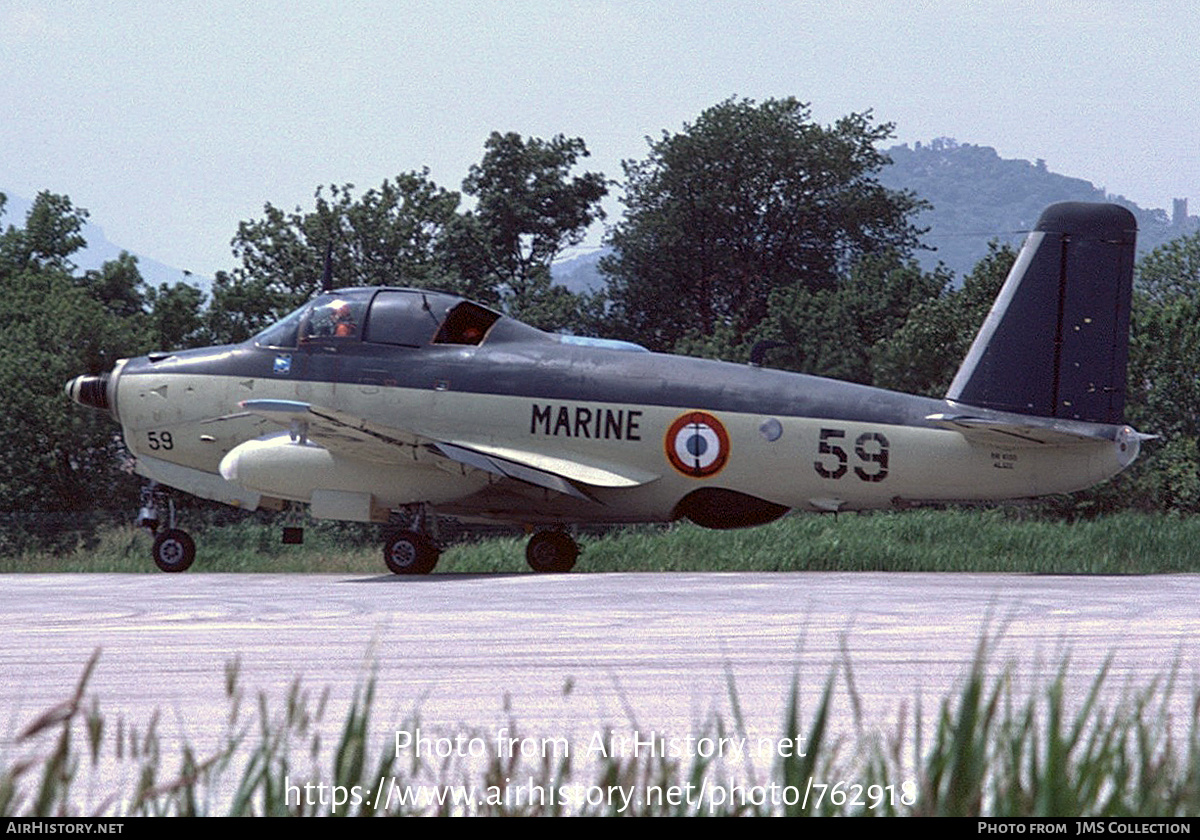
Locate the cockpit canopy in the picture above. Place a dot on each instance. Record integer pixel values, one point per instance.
(399, 317)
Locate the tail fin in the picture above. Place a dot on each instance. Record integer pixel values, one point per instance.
(1056, 342)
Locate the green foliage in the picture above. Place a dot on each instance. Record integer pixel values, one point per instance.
(176, 318)
(1172, 271)
(50, 235)
(50, 331)
(1014, 541)
(242, 306)
(528, 209)
(1164, 384)
(409, 232)
(393, 235)
(117, 286)
(922, 356)
(1050, 755)
(748, 199)
(839, 332)
(54, 326)
(528, 206)
(724, 342)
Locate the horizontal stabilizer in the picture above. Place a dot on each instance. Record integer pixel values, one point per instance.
(1025, 432)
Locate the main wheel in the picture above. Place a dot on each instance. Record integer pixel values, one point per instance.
(551, 551)
(174, 550)
(410, 553)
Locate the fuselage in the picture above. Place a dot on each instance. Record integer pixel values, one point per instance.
(365, 403)
(674, 425)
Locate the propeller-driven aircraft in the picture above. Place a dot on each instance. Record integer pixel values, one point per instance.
(368, 402)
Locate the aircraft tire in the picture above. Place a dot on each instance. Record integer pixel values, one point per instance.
(410, 553)
(174, 550)
(551, 551)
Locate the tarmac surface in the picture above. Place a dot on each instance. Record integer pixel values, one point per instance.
(577, 655)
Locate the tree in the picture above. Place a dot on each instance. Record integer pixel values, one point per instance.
(409, 232)
(922, 356)
(529, 208)
(1172, 270)
(176, 317)
(243, 304)
(53, 231)
(56, 455)
(748, 199)
(117, 285)
(840, 332)
(1163, 396)
(837, 332)
(1164, 399)
(54, 326)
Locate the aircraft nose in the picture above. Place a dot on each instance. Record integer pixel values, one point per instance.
(90, 390)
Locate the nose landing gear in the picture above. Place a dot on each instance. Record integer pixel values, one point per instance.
(174, 550)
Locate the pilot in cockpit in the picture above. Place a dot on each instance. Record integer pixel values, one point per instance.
(343, 322)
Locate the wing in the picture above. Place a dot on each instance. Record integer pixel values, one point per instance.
(363, 439)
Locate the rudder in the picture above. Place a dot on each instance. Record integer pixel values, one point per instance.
(1056, 341)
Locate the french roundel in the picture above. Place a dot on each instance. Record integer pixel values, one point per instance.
(697, 444)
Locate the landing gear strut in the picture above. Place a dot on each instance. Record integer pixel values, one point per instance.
(413, 551)
(551, 551)
(174, 549)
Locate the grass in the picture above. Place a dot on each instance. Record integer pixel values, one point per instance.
(921, 540)
(986, 752)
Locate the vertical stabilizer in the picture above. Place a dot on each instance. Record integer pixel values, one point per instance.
(1056, 343)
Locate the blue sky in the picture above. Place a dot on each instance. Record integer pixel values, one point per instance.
(173, 122)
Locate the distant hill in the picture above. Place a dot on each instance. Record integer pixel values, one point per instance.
(99, 250)
(580, 273)
(978, 196)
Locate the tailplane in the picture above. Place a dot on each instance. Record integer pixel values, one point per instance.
(1056, 342)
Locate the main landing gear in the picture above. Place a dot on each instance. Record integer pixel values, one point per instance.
(410, 553)
(551, 551)
(174, 550)
(414, 551)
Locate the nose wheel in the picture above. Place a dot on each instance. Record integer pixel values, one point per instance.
(551, 551)
(174, 550)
